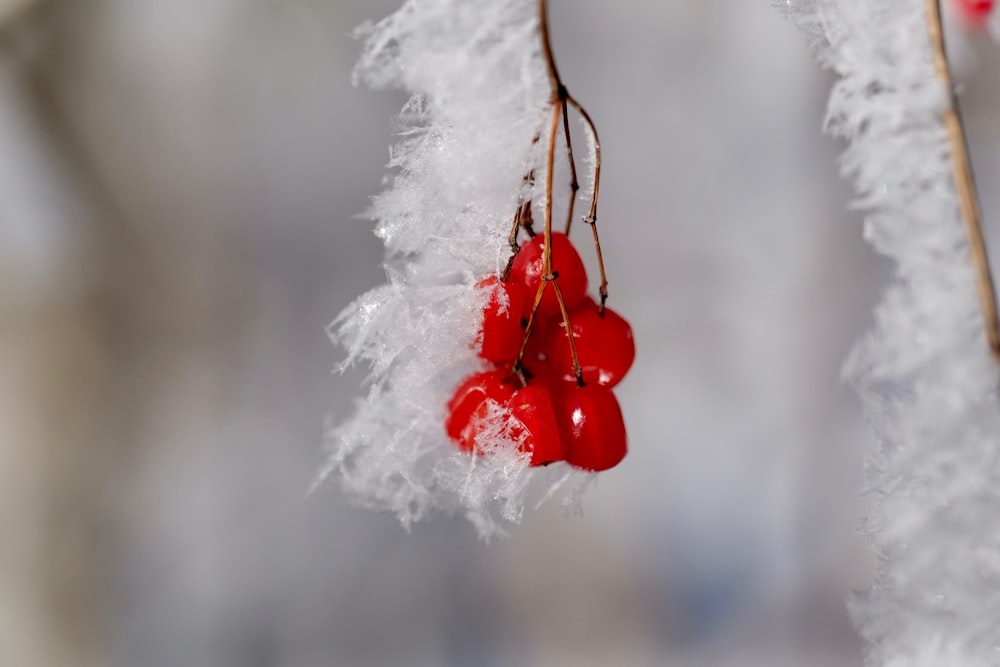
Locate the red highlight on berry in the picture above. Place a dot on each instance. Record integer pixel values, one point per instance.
(591, 426)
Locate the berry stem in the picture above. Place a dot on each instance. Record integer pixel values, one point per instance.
(548, 275)
(550, 60)
(560, 111)
(518, 368)
(522, 215)
(577, 368)
(549, 169)
(574, 184)
(591, 218)
(514, 246)
(559, 99)
(965, 183)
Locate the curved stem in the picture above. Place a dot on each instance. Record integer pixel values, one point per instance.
(560, 100)
(549, 173)
(591, 218)
(558, 112)
(965, 184)
(574, 183)
(597, 156)
(550, 60)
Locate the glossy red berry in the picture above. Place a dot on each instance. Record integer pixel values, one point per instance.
(974, 12)
(501, 334)
(533, 416)
(529, 269)
(471, 398)
(591, 426)
(536, 352)
(604, 346)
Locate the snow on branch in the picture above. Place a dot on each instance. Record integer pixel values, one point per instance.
(924, 373)
(479, 95)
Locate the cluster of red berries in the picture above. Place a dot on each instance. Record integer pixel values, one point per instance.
(554, 393)
(975, 12)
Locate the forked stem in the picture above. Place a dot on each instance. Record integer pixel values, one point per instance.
(550, 60)
(549, 275)
(558, 111)
(965, 183)
(561, 100)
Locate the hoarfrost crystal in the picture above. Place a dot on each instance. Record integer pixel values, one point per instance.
(924, 372)
(479, 94)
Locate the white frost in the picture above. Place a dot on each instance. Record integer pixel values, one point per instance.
(924, 372)
(479, 94)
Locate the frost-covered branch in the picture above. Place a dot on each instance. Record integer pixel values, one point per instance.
(479, 94)
(925, 372)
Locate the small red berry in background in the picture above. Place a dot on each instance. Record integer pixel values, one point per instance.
(501, 332)
(604, 346)
(974, 13)
(529, 270)
(591, 426)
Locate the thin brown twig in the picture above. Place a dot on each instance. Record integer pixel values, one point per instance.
(560, 100)
(965, 184)
(515, 247)
(550, 60)
(518, 367)
(549, 168)
(574, 183)
(522, 218)
(549, 275)
(591, 218)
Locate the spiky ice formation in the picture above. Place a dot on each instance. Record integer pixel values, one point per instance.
(479, 95)
(924, 373)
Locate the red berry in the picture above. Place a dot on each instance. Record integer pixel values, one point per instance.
(604, 346)
(975, 12)
(501, 333)
(532, 414)
(591, 425)
(471, 398)
(536, 352)
(529, 268)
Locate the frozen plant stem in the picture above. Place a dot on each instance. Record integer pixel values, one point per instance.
(965, 184)
(561, 100)
(574, 184)
(453, 162)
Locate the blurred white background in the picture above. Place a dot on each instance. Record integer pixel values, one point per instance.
(180, 190)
